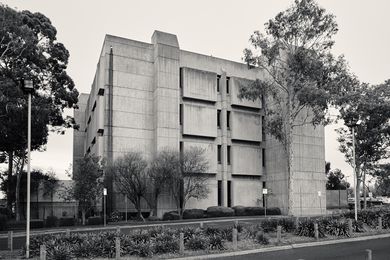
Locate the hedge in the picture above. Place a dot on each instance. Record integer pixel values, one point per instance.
(193, 213)
(65, 222)
(171, 215)
(17, 225)
(3, 222)
(51, 221)
(96, 220)
(219, 211)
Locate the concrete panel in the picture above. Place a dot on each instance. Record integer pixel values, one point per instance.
(132, 120)
(236, 84)
(199, 84)
(245, 126)
(247, 191)
(210, 152)
(246, 160)
(212, 199)
(196, 113)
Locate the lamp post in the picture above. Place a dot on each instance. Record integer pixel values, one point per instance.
(28, 88)
(104, 204)
(354, 166)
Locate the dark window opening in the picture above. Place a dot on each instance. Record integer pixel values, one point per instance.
(181, 147)
(263, 194)
(218, 80)
(181, 114)
(100, 131)
(94, 106)
(228, 155)
(219, 193)
(94, 141)
(219, 154)
(227, 85)
(219, 118)
(263, 157)
(228, 119)
(229, 193)
(181, 78)
(89, 120)
(101, 92)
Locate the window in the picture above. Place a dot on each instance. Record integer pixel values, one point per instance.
(101, 92)
(89, 120)
(181, 147)
(100, 131)
(219, 118)
(94, 106)
(218, 79)
(219, 154)
(181, 114)
(181, 78)
(228, 154)
(229, 193)
(94, 141)
(227, 85)
(228, 119)
(263, 194)
(219, 193)
(263, 157)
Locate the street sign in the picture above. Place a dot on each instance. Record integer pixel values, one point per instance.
(104, 191)
(265, 191)
(370, 194)
(319, 193)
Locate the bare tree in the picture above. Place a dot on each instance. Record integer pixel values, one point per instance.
(131, 178)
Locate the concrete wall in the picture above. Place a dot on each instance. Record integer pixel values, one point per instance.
(246, 159)
(247, 191)
(193, 114)
(199, 84)
(79, 135)
(236, 84)
(210, 151)
(336, 199)
(245, 126)
(212, 199)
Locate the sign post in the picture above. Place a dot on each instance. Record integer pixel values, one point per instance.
(265, 193)
(104, 204)
(319, 196)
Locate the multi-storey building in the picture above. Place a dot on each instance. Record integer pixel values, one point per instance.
(152, 96)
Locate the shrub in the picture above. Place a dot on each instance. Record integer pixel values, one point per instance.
(189, 232)
(226, 233)
(153, 218)
(171, 215)
(306, 228)
(165, 243)
(95, 220)
(239, 210)
(254, 211)
(357, 226)
(274, 211)
(288, 224)
(3, 222)
(337, 227)
(269, 225)
(386, 220)
(219, 211)
(51, 221)
(216, 242)
(59, 252)
(211, 231)
(115, 216)
(65, 222)
(251, 231)
(261, 238)
(193, 213)
(199, 242)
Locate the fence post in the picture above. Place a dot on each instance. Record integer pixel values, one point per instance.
(380, 226)
(279, 234)
(316, 231)
(234, 239)
(350, 227)
(42, 253)
(201, 225)
(236, 223)
(181, 243)
(10, 240)
(118, 231)
(296, 222)
(68, 232)
(117, 248)
(369, 254)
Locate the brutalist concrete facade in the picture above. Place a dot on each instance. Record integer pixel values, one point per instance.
(152, 96)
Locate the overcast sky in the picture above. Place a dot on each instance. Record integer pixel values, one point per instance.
(220, 28)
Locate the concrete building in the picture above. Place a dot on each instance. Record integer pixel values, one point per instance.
(150, 96)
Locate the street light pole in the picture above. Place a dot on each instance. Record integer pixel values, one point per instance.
(28, 87)
(104, 203)
(354, 171)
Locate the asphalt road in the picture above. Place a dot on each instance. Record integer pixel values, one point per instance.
(343, 251)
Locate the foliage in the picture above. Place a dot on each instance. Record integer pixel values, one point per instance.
(254, 211)
(301, 76)
(219, 211)
(193, 214)
(337, 227)
(216, 243)
(95, 220)
(273, 211)
(171, 215)
(165, 243)
(3, 222)
(336, 180)
(65, 222)
(199, 242)
(261, 238)
(382, 173)
(51, 221)
(88, 180)
(306, 228)
(116, 216)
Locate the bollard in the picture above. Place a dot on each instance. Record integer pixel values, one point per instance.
(350, 227)
(316, 231)
(234, 239)
(10, 240)
(68, 232)
(181, 243)
(279, 234)
(369, 254)
(42, 253)
(236, 223)
(117, 248)
(380, 226)
(201, 225)
(118, 231)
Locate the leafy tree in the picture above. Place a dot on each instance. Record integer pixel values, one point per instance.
(88, 183)
(29, 49)
(301, 78)
(131, 178)
(336, 180)
(370, 105)
(382, 173)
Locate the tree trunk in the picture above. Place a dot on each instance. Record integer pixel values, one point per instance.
(9, 187)
(83, 217)
(17, 196)
(358, 181)
(289, 150)
(139, 210)
(155, 204)
(364, 191)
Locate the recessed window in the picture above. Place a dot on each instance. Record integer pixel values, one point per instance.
(94, 141)
(228, 119)
(100, 131)
(101, 92)
(263, 157)
(219, 154)
(219, 193)
(181, 114)
(229, 193)
(181, 77)
(218, 82)
(94, 106)
(219, 118)
(228, 154)
(89, 120)
(227, 85)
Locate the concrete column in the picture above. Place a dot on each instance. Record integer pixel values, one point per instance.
(224, 130)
